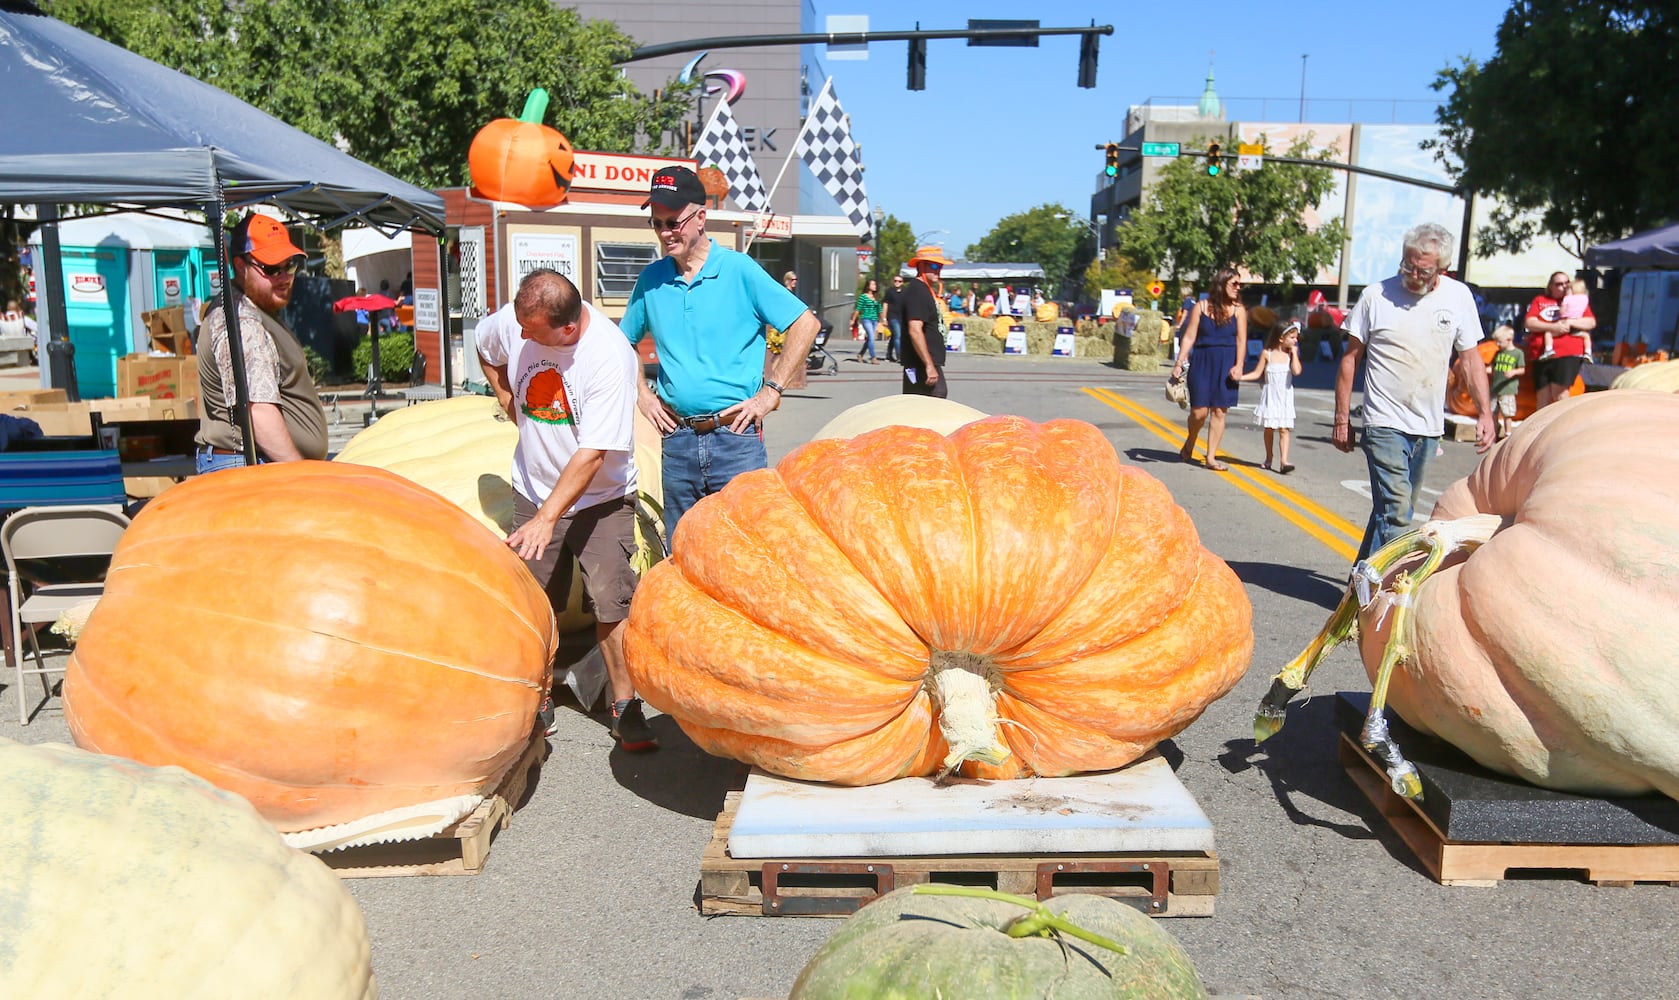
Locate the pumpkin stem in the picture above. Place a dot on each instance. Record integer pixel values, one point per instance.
(1041, 922)
(963, 694)
(536, 107)
(1366, 591)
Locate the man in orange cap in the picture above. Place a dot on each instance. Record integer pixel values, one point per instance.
(922, 354)
(286, 414)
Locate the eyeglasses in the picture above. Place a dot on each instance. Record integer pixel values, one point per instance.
(1424, 273)
(291, 267)
(671, 225)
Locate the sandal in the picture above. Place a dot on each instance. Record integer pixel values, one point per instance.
(1186, 454)
(1216, 466)
(1286, 469)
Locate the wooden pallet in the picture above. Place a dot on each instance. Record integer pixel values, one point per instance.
(1478, 864)
(1161, 884)
(460, 849)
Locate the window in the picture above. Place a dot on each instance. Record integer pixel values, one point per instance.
(617, 265)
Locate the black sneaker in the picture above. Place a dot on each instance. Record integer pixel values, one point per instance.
(630, 728)
(545, 717)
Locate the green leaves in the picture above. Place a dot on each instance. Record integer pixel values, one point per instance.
(1570, 123)
(400, 84)
(1194, 224)
(897, 244)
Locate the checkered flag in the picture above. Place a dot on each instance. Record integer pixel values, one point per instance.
(721, 146)
(826, 148)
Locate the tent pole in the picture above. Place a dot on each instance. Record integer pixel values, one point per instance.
(239, 408)
(61, 353)
(445, 329)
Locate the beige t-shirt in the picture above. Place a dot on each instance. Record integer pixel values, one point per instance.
(276, 371)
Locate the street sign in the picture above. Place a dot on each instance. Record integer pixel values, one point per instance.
(1155, 289)
(1160, 149)
(1250, 148)
(1245, 162)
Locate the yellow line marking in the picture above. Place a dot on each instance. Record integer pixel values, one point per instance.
(1332, 530)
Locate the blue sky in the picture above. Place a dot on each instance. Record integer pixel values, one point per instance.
(999, 130)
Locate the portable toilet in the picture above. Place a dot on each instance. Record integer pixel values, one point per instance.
(117, 267)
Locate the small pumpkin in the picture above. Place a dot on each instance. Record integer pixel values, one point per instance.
(876, 607)
(952, 941)
(118, 879)
(521, 160)
(328, 640)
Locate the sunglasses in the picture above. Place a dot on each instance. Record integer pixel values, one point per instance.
(671, 225)
(291, 267)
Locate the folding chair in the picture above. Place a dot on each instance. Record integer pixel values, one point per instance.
(44, 537)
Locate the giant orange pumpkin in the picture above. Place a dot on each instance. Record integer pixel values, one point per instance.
(328, 640)
(1010, 596)
(520, 159)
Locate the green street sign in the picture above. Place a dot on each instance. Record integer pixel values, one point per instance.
(1160, 149)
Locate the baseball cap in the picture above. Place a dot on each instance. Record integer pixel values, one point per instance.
(264, 238)
(675, 187)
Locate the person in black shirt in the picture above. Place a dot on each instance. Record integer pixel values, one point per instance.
(891, 305)
(922, 351)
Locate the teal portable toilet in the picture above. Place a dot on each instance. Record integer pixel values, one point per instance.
(117, 267)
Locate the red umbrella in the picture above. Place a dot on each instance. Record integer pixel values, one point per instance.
(371, 303)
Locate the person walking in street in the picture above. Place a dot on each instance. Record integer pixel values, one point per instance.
(286, 413)
(923, 351)
(1556, 343)
(866, 315)
(890, 307)
(1279, 365)
(1407, 331)
(706, 307)
(1215, 343)
(567, 377)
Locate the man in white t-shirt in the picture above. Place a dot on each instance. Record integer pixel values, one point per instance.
(568, 377)
(1408, 330)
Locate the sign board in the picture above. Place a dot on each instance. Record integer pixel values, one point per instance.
(1015, 343)
(1251, 148)
(1156, 289)
(426, 303)
(956, 339)
(845, 24)
(1251, 155)
(775, 227)
(1025, 40)
(619, 171)
(557, 251)
(1160, 149)
(1250, 162)
(171, 291)
(1063, 342)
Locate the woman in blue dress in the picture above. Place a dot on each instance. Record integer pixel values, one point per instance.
(1214, 343)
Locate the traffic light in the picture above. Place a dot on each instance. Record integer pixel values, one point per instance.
(918, 62)
(1112, 169)
(1215, 166)
(1088, 51)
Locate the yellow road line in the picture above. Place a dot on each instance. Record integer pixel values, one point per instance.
(1327, 527)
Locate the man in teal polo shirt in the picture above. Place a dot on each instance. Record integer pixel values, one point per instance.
(706, 307)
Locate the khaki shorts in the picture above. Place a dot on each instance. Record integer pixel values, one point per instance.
(1507, 404)
(602, 539)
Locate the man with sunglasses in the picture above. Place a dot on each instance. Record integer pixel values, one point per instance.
(891, 307)
(922, 352)
(1408, 330)
(705, 307)
(286, 414)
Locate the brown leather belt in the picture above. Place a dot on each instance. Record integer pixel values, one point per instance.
(222, 451)
(703, 423)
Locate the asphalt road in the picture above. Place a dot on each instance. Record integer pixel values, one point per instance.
(591, 891)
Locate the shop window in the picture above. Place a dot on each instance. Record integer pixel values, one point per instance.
(617, 265)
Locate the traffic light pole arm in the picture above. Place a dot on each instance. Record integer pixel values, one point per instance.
(1348, 167)
(846, 38)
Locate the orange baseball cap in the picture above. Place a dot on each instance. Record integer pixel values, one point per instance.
(264, 238)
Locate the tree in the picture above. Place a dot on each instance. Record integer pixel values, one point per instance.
(1193, 224)
(895, 246)
(1570, 123)
(1048, 235)
(1114, 270)
(400, 84)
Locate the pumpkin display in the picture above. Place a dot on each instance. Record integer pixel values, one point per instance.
(980, 944)
(1010, 599)
(931, 412)
(1661, 376)
(350, 652)
(120, 880)
(520, 159)
(1549, 651)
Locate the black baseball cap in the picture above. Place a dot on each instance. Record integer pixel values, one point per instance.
(675, 187)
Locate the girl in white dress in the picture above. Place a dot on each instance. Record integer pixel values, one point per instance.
(1279, 362)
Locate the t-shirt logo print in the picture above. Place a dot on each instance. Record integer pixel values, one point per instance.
(545, 398)
(1445, 321)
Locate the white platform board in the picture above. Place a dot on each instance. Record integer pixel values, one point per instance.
(1141, 808)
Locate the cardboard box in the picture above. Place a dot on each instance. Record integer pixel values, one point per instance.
(60, 419)
(14, 398)
(168, 330)
(159, 377)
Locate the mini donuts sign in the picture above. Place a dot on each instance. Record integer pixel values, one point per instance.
(619, 171)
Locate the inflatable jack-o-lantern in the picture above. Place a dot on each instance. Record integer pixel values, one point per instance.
(520, 159)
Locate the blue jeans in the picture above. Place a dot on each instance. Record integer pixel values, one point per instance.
(868, 327)
(698, 465)
(209, 461)
(1397, 461)
(897, 326)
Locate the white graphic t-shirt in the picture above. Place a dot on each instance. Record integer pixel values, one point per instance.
(566, 398)
(1410, 342)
